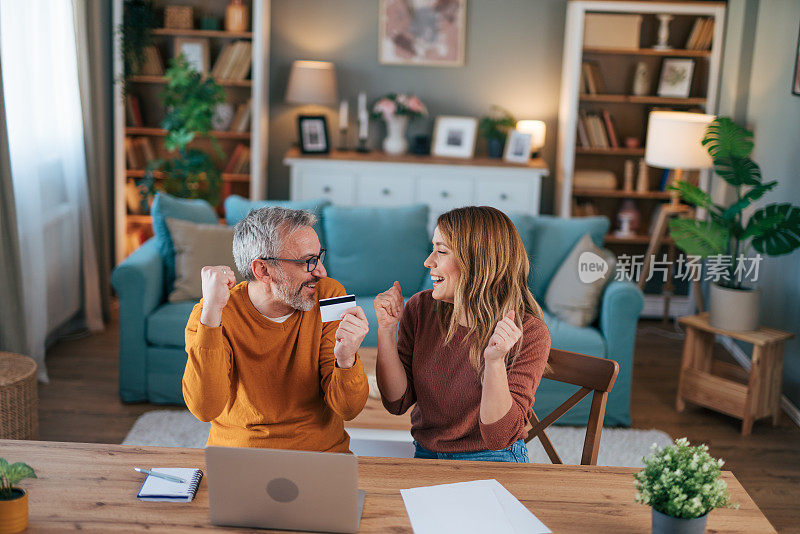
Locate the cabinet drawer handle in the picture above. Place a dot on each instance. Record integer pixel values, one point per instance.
(503, 196)
(326, 189)
(445, 194)
(386, 192)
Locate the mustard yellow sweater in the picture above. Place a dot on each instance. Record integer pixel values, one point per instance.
(268, 384)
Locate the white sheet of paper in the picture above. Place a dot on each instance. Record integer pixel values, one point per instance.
(456, 509)
(520, 519)
(332, 309)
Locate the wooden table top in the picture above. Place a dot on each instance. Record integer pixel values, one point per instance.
(763, 336)
(93, 487)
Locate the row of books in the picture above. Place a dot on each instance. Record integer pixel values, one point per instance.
(591, 79)
(233, 62)
(239, 162)
(596, 130)
(152, 65)
(701, 35)
(139, 152)
(241, 118)
(240, 122)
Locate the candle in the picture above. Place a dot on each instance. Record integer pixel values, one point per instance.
(344, 109)
(362, 127)
(362, 104)
(363, 117)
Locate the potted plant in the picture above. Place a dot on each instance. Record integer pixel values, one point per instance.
(138, 22)
(494, 128)
(13, 500)
(772, 230)
(190, 100)
(396, 109)
(681, 483)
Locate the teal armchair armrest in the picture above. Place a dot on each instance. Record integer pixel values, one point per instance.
(620, 309)
(139, 283)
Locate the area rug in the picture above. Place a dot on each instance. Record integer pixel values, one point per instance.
(618, 447)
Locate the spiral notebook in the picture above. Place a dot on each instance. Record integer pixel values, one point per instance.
(161, 490)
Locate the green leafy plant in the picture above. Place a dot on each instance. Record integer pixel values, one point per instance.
(10, 476)
(190, 101)
(138, 21)
(772, 230)
(497, 124)
(682, 481)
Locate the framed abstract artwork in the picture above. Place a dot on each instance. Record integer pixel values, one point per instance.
(423, 32)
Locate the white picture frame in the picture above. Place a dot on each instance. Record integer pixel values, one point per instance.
(676, 77)
(454, 137)
(518, 147)
(195, 50)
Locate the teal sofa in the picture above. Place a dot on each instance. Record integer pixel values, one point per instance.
(368, 249)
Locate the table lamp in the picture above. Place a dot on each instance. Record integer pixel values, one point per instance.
(674, 142)
(537, 130)
(312, 82)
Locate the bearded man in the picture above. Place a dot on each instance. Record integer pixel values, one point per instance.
(263, 368)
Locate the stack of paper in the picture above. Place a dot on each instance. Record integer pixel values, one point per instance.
(479, 506)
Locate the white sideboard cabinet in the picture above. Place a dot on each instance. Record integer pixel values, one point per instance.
(376, 179)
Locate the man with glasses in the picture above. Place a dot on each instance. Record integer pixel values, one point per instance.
(263, 367)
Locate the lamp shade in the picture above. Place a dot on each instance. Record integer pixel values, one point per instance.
(537, 130)
(674, 140)
(312, 82)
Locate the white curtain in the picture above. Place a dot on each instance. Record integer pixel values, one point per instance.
(48, 167)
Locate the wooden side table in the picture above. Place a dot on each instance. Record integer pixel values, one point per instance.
(19, 398)
(726, 387)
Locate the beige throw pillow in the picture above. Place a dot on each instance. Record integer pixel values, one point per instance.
(198, 245)
(573, 295)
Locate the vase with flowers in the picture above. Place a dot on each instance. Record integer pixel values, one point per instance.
(396, 109)
(682, 484)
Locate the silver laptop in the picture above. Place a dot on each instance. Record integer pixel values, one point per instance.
(289, 490)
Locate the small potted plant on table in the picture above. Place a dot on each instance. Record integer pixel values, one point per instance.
(494, 128)
(681, 483)
(13, 500)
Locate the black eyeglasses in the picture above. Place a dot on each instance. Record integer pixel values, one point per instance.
(311, 263)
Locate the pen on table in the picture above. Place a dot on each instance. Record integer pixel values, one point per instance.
(159, 475)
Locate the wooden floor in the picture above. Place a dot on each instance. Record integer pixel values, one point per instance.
(80, 404)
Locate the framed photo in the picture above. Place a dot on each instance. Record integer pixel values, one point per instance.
(455, 136)
(422, 32)
(796, 79)
(313, 134)
(195, 51)
(676, 77)
(518, 147)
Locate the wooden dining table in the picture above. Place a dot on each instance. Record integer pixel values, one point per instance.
(92, 487)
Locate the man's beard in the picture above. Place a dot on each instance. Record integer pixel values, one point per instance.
(293, 298)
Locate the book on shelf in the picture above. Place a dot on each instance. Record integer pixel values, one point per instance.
(241, 119)
(132, 157)
(222, 60)
(610, 130)
(702, 34)
(241, 67)
(234, 61)
(597, 131)
(146, 149)
(239, 162)
(152, 65)
(593, 78)
(583, 136)
(139, 152)
(133, 111)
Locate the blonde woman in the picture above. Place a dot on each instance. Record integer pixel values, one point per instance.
(471, 352)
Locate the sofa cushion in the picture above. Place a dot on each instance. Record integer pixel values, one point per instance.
(166, 325)
(198, 245)
(237, 208)
(166, 206)
(574, 296)
(564, 336)
(551, 240)
(370, 248)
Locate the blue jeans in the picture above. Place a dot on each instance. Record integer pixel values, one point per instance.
(517, 452)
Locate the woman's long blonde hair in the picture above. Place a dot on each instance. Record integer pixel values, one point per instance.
(493, 266)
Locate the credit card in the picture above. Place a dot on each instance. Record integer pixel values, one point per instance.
(333, 308)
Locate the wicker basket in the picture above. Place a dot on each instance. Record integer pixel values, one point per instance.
(179, 17)
(19, 401)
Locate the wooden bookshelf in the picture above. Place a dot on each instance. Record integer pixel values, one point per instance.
(642, 239)
(633, 99)
(618, 193)
(145, 122)
(160, 132)
(609, 151)
(673, 52)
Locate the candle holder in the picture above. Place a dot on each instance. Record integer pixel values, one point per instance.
(362, 145)
(342, 139)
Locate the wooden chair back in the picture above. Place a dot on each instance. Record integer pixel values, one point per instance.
(593, 375)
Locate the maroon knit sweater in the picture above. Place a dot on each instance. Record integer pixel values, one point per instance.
(447, 389)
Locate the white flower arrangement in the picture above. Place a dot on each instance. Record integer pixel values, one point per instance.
(682, 481)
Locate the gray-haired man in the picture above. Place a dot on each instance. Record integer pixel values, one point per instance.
(263, 367)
